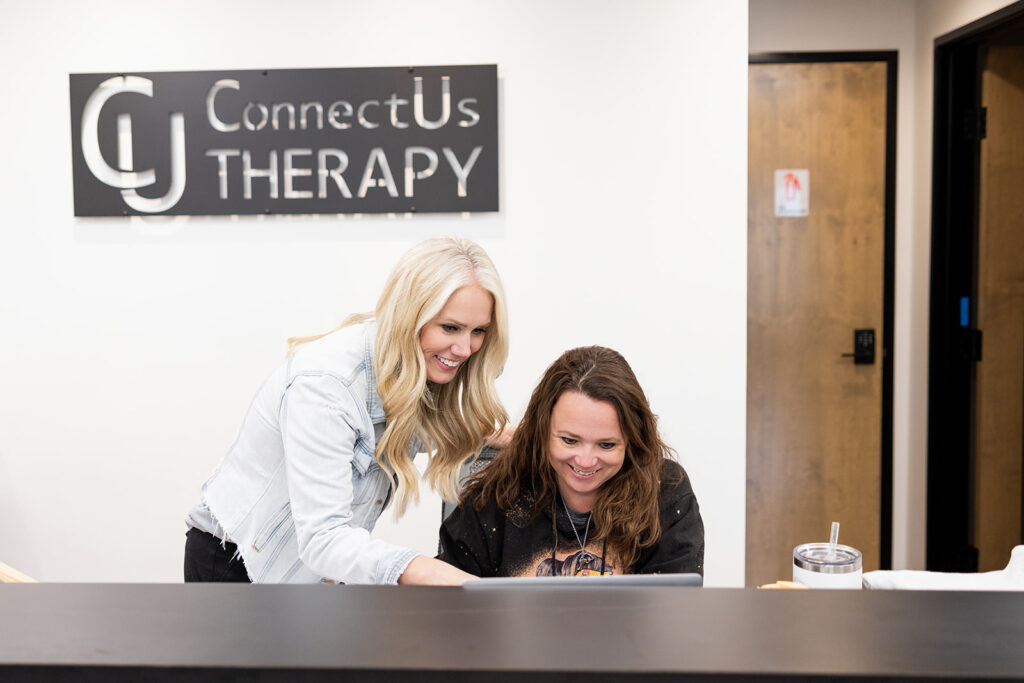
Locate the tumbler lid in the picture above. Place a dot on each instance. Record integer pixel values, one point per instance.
(820, 558)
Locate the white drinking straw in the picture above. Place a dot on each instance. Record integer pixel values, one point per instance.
(833, 539)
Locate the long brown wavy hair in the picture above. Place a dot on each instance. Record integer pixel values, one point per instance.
(625, 514)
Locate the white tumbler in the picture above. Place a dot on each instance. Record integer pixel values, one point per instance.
(822, 565)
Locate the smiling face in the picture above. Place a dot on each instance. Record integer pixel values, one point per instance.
(457, 332)
(585, 447)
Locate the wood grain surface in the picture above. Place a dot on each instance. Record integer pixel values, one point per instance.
(814, 418)
(999, 416)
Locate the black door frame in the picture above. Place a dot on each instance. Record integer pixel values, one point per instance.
(954, 342)
(886, 348)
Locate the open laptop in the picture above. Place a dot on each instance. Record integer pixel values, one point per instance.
(560, 582)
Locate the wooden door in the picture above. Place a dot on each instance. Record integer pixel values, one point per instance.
(999, 407)
(814, 418)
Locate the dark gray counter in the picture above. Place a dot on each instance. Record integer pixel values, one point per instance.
(240, 632)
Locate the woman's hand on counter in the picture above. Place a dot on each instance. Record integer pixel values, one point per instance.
(427, 571)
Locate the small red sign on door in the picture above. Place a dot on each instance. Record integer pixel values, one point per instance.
(792, 192)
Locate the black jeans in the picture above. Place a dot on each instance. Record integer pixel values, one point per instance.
(207, 560)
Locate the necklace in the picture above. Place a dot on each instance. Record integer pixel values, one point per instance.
(586, 529)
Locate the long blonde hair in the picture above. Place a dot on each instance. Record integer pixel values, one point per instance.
(452, 419)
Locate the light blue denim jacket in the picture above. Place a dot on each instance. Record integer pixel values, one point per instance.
(299, 491)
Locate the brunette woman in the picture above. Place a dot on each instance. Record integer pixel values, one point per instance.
(586, 485)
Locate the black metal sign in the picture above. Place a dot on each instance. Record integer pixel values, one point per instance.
(369, 140)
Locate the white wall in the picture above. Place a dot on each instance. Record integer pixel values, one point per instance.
(910, 27)
(131, 348)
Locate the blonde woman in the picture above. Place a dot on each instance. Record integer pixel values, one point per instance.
(328, 442)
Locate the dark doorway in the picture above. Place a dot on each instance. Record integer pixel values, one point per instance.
(976, 344)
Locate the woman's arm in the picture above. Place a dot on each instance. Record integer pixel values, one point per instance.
(501, 439)
(681, 546)
(321, 423)
(464, 543)
(426, 571)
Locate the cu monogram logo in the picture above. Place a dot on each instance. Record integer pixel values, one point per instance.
(125, 177)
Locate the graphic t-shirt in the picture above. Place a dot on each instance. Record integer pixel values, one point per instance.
(489, 542)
